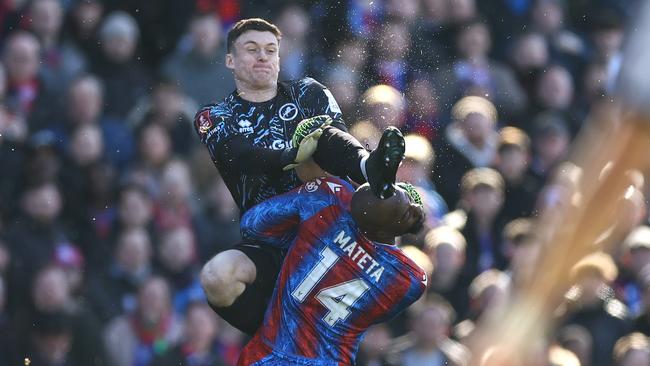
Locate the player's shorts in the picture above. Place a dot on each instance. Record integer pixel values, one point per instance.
(247, 312)
(268, 262)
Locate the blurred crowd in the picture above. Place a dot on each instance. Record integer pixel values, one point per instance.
(109, 204)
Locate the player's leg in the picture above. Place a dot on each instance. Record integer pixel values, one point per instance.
(239, 283)
(342, 154)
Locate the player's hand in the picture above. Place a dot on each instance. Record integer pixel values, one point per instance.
(305, 138)
(306, 148)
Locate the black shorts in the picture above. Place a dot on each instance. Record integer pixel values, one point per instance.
(247, 312)
(268, 262)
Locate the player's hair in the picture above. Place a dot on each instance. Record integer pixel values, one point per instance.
(256, 24)
(632, 341)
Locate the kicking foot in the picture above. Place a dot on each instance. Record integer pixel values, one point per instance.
(382, 164)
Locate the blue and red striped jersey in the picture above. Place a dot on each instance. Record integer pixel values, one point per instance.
(334, 282)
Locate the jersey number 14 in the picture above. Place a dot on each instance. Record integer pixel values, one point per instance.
(338, 298)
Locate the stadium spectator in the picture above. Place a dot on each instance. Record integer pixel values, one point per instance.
(169, 107)
(423, 116)
(152, 330)
(197, 65)
(60, 60)
(111, 291)
(416, 169)
(125, 79)
(295, 51)
(383, 106)
(446, 249)
(632, 350)
(474, 73)
(576, 339)
(198, 344)
(429, 342)
(591, 305)
(550, 143)
(512, 161)
(470, 141)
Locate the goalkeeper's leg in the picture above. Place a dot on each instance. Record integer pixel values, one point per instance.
(341, 154)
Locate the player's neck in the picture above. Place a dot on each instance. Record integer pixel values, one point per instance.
(256, 95)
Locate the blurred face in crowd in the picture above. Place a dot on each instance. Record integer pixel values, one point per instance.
(431, 326)
(512, 163)
(50, 290)
(421, 98)
(168, 103)
(154, 302)
(375, 342)
(448, 263)
(394, 41)
(134, 250)
(255, 60)
(352, 53)
(595, 81)
(477, 128)
(177, 249)
(555, 88)
(206, 35)
(435, 10)
(43, 203)
(87, 144)
(404, 10)
(608, 42)
(548, 16)
(485, 201)
(474, 42)
(461, 10)
(591, 284)
(294, 22)
(54, 347)
(636, 357)
(552, 147)
(21, 57)
(47, 17)
(135, 208)
(530, 52)
(87, 16)
(155, 145)
(201, 326)
(176, 183)
(119, 48)
(85, 100)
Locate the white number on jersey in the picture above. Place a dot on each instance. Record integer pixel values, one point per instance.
(338, 298)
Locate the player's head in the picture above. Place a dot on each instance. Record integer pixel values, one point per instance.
(253, 52)
(397, 215)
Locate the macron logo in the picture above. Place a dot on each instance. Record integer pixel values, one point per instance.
(335, 188)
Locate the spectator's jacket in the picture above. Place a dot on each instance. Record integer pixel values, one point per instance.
(334, 282)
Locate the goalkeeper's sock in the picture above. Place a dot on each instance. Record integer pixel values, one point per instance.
(382, 163)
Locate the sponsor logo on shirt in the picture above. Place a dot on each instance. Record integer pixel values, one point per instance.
(288, 112)
(203, 122)
(245, 126)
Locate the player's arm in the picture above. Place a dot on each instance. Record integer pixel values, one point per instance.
(318, 100)
(231, 149)
(276, 220)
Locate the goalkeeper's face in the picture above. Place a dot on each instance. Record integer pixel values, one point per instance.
(255, 59)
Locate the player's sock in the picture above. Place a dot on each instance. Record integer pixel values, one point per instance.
(381, 166)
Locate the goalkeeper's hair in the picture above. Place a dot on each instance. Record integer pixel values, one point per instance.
(256, 24)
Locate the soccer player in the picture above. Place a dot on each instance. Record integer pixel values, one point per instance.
(342, 272)
(255, 136)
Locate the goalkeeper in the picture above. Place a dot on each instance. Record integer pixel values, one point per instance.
(256, 136)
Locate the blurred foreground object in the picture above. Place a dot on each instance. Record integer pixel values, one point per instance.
(597, 191)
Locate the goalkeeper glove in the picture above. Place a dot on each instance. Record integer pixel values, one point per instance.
(305, 138)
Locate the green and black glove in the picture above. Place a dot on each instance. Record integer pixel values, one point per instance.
(305, 138)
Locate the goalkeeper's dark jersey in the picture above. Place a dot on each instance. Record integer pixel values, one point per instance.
(246, 139)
